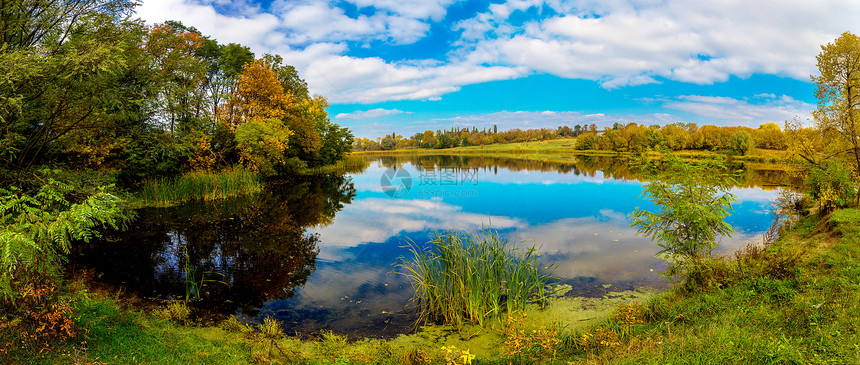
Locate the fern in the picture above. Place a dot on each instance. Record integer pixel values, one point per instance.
(37, 231)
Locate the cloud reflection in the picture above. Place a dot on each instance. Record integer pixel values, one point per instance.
(606, 247)
(378, 219)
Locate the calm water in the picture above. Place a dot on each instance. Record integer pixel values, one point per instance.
(322, 254)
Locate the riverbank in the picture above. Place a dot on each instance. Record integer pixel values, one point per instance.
(793, 302)
(562, 150)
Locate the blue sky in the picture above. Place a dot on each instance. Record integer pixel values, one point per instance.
(406, 66)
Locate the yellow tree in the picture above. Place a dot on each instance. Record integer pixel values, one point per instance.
(255, 113)
(838, 94)
(305, 117)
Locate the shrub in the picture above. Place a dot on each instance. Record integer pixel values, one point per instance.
(271, 329)
(176, 311)
(585, 141)
(831, 185)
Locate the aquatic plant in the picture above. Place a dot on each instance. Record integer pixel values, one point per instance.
(201, 185)
(472, 278)
(347, 164)
(195, 279)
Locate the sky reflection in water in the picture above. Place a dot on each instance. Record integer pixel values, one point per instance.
(578, 219)
(321, 253)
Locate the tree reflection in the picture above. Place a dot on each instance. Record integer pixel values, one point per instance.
(243, 251)
(610, 166)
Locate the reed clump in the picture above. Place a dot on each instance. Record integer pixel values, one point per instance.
(347, 164)
(201, 185)
(474, 278)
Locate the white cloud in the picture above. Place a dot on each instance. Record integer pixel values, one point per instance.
(616, 43)
(415, 9)
(369, 114)
(248, 29)
(766, 109)
(705, 41)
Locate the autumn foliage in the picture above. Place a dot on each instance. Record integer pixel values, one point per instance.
(258, 96)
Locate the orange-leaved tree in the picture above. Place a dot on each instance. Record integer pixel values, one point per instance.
(255, 113)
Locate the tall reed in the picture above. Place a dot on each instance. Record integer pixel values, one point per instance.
(347, 164)
(201, 185)
(474, 278)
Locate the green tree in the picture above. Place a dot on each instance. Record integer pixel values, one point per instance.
(692, 201)
(224, 68)
(742, 142)
(838, 94)
(288, 76)
(180, 75)
(262, 144)
(57, 61)
(336, 142)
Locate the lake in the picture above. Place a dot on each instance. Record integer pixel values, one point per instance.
(321, 253)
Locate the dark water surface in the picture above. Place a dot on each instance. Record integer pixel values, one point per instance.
(321, 253)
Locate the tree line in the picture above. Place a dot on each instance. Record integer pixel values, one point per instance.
(631, 137)
(84, 85)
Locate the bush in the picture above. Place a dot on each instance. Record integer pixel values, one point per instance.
(742, 142)
(831, 185)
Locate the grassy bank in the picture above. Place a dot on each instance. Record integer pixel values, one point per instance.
(796, 302)
(107, 331)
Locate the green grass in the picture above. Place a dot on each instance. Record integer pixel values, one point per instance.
(474, 278)
(109, 333)
(200, 185)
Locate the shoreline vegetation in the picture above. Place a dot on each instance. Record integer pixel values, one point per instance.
(791, 301)
(561, 150)
(214, 185)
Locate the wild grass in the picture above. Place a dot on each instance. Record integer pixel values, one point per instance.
(200, 185)
(348, 164)
(474, 278)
